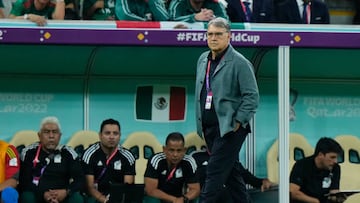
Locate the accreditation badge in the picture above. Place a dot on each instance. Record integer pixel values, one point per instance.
(117, 165)
(57, 158)
(13, 162)
(208, 101)
(35, 180)
(326, 182)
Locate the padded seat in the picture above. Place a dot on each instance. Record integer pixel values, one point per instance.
(299, 148)
(143, 145)
(193, 142)
(355, 198)
(349, 162)
(23, 138)
(82, 139)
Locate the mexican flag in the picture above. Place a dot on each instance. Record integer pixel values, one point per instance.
(160, 103)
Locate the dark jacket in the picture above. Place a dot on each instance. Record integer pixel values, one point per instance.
(288, 12)
(262, 11)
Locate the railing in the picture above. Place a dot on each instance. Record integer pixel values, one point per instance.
(166, 33)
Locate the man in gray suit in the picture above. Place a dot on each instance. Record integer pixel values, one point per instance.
(226, 96)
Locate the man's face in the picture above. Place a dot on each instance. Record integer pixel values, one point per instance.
(49, 136)
(217, 38)
(110, 136)
(328, 160)
(174, 152)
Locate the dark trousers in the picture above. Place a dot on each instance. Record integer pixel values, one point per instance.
(223, 167)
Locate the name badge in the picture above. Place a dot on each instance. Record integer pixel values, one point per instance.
(326, 183)
(208, 101)
(57, 158)
(117, 165)
(13, 162)
(178, 173)
(35, 180)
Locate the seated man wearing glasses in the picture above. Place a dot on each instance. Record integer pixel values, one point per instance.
(50, 172)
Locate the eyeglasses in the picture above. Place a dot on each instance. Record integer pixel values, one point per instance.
(216, 34)
(47, 132)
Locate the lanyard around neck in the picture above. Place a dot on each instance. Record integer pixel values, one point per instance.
(171, 174)
(208, 89)
(111, 156)
(36, 159)
(106, 166)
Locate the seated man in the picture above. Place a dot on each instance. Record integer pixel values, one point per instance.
(107, 162)
(99, 10)
(168, 172)
(313, 12)
(38, 11)
(2, 14)
(256, 11)
(71, 10)
(9, 172)
(313, 177)
(196, 10)
(356, 19)
(141, 10)
(50, 172)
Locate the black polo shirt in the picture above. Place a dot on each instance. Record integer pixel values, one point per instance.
(52, 170)
(209, 115)
(121, 164)
(313, 181)
(184, 173)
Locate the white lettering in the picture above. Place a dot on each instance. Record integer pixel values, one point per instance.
(332, 101)
(244, 37)
(25, 108)
(26, 97)
(188, 36)
(326, 113)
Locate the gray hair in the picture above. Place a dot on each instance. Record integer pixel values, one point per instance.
(50, 119)
(220, 22)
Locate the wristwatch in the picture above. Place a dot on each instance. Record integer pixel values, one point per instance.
(26, 17)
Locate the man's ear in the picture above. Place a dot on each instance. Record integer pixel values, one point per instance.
(164, 148)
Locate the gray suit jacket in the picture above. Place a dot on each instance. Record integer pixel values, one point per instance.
(234, 87)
